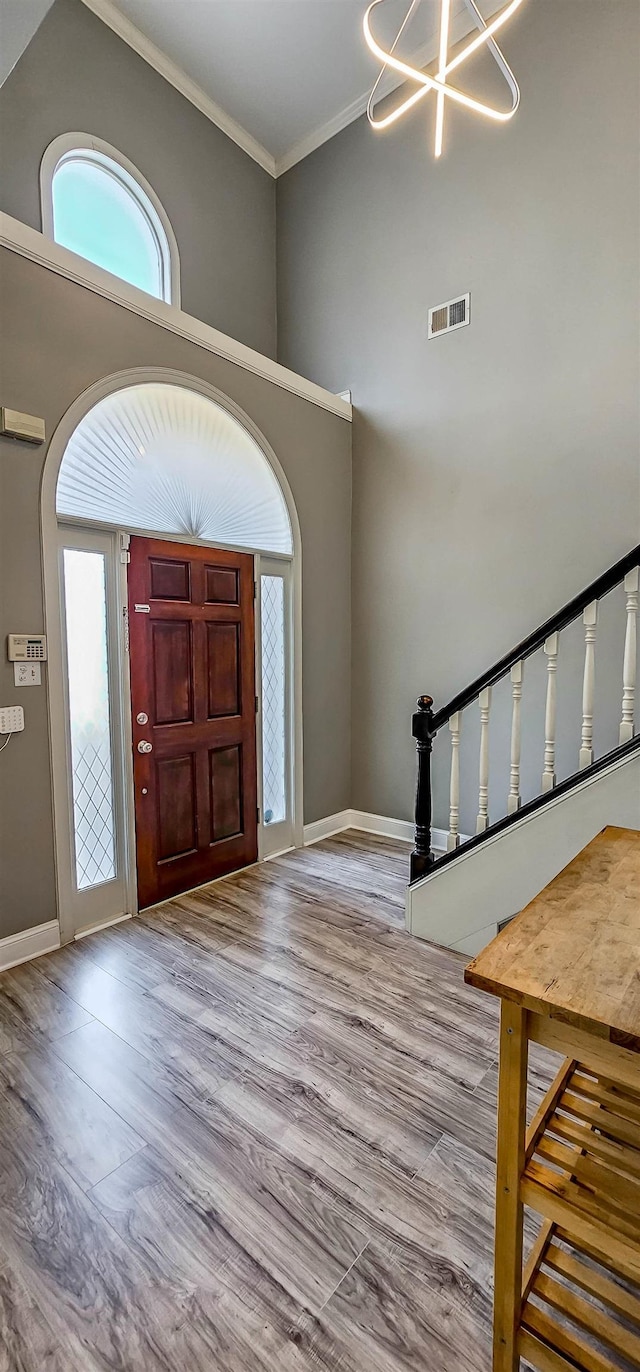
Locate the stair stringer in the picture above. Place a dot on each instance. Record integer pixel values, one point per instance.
(462, 905)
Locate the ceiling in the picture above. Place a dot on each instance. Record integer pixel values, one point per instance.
(279, 76)
(282, 69)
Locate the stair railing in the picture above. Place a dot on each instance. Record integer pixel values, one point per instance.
(427, 722)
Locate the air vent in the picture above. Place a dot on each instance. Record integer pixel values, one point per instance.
(454, 314)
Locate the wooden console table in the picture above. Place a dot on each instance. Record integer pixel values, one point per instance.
(567, 970)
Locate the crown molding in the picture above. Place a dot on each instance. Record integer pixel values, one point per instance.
(133, 36)
(36, 247)
(109, 14)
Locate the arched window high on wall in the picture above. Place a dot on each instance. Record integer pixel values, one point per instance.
(95, 202)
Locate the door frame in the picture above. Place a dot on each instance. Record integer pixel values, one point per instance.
(52, 531)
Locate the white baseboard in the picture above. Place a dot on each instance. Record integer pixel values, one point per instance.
(369, 824)
(30, 943)
(382, 825)
(325, 828)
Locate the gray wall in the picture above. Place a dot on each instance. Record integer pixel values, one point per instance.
(78, 76)
(57, 339)
(496, 470)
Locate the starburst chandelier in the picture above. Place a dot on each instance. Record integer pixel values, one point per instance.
(439, 82)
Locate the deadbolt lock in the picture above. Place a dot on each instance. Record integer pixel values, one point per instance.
(142, 718)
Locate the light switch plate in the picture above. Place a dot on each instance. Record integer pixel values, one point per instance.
(11, 719)
(27, 673)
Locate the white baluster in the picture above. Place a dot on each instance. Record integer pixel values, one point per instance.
(549, 773)
(483, 791)
(590, 620)
(513, 800)
(629, 667)
(453, 840)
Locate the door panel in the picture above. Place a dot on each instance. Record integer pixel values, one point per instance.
(169, 580)
(225, 769)
(177, 804)
(221, 586)
(223, 670)
(172, 660)
(193, 676)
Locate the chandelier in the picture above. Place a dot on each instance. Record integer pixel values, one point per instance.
(439, 82)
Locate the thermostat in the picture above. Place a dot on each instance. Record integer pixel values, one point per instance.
(27, 647)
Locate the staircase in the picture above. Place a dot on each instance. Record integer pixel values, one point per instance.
(460, 895)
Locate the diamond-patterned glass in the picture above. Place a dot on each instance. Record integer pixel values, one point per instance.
(273, 701)
(86, 621)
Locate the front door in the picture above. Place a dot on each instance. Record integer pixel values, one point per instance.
(191, 635)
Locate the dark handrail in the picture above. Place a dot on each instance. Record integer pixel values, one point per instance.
(559, 621)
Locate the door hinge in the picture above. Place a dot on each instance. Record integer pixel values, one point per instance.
(125, 555)
(125, 626)
(257, 703)
(255, 590)
(258, 814)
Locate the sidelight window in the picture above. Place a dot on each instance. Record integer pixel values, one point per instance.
(274, 731)
(89, 717)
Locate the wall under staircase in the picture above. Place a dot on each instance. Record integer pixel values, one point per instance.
(462, 905)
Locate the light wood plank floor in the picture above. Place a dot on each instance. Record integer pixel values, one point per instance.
(250, 1131)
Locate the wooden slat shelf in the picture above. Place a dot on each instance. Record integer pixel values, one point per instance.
(576, 1314)
(568, 973)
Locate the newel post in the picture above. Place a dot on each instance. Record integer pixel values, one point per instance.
(422, 729)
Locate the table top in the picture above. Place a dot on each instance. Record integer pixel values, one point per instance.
(574, 952)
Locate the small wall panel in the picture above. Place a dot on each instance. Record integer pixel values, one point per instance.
(170, 579)
(223, 669)
(176, 806)
(225, 770)
(221, 586)
(172, 674)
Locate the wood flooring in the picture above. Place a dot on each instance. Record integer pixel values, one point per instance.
(252, 1130)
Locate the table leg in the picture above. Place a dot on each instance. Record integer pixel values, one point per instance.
(512, 1102)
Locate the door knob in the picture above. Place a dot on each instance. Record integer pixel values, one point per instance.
(144, 747)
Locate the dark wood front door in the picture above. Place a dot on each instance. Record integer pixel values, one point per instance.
(191, 638)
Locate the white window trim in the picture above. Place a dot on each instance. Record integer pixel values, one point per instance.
(102, 154)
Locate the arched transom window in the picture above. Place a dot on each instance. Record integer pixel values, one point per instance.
(97, 204)
(164, 458)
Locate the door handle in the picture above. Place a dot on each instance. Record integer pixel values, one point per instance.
(144, 747)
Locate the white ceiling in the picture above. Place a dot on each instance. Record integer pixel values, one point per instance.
(280, 68)
(284, 75)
